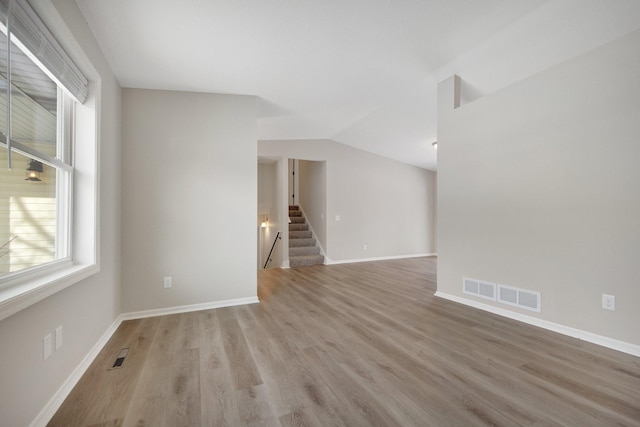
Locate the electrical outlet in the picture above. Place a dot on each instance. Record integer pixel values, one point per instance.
(608, 302)
(58, 337)
(364, 247)
(167, 282)
(338, 218)
(46, 346)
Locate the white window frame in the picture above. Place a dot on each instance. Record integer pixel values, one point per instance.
(33, 285)
(64, 189)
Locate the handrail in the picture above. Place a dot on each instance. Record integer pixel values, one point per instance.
(271, 251)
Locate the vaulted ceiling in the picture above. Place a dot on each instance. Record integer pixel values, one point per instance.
(360, 72)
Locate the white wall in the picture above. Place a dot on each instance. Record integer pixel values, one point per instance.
(268, 207)
(190, 200)
(88, 308)
(313, 196)
(538, 188)
(280, 256)
(382, 203)
(267, 175)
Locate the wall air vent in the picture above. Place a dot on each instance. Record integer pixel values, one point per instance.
(470, 286)
(122, 354)
(479, 288)
(529, 300)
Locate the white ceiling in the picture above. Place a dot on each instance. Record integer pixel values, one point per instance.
(360, 72)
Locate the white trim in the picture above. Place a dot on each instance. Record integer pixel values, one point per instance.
(85, 203)
(188, 308)
(382, 258)
(59, 397)
(20, 296)
(611, 343)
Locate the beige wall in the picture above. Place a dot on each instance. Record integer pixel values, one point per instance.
(85, 309)
(312, 196)
(382, 203)
(268, 208)
(539, 188)
(190, 200)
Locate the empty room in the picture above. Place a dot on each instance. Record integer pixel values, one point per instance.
(314, 213)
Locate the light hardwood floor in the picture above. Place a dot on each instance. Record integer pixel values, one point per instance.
(352, 345)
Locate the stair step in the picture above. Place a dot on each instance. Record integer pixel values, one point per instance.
(299, 235)
(297, 243)
(298, 227)
(297, 220)
(300, 261)
(295, 213)
(293, 208)
(305, 250)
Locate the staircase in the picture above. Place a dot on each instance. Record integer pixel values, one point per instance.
(302, 246)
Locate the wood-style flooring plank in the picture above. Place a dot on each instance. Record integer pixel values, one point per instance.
(243, 368)
(219, 406)
(108, 404)
(168, 391)
(353, 345)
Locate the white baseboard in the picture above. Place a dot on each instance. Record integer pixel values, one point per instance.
(382, 258)
(188, 308)
(611, 343)
(58, 398)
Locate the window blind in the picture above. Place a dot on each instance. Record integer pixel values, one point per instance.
(33, 34)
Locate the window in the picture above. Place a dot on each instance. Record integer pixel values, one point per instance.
(35, 193)
(41, 93)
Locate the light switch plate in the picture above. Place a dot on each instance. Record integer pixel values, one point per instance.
(609, 302)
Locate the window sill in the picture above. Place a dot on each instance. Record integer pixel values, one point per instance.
(22, 295)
